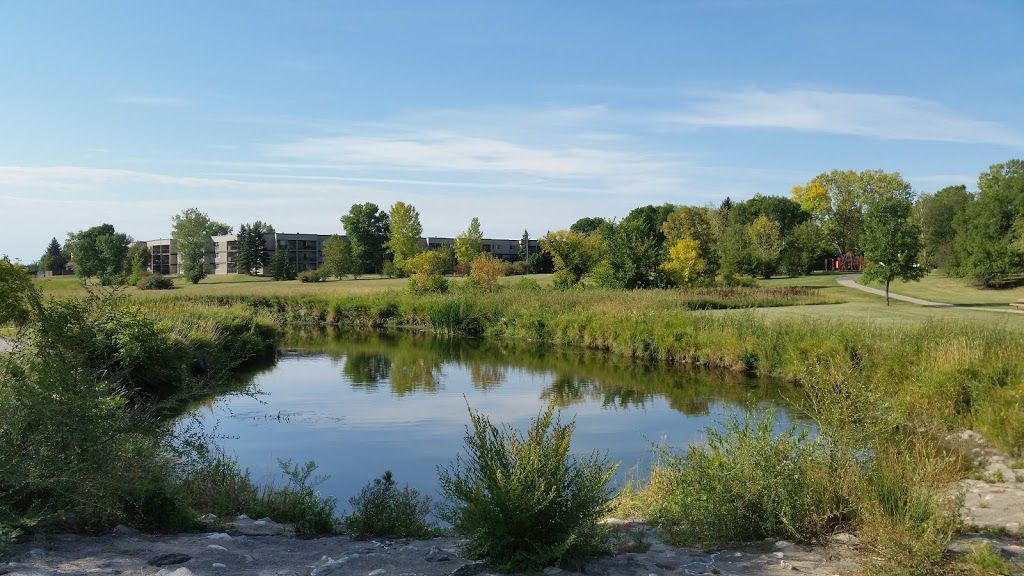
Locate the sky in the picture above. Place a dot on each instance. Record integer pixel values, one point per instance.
(527, 114)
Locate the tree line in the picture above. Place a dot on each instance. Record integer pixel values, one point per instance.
(977, 235)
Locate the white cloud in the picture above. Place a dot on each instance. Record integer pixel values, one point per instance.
(884, 116)
(152, 101)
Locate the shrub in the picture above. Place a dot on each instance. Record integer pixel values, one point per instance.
(521, 500)
(154, 282)
(485, 271)
(317, 275)
(383, 510)
(427, 284)
(747, 484)
(518, 268)
(281, 266)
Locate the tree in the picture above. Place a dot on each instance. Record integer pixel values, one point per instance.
(338, 258)
(765, 240)
(813, 199)
(801, 249)
(469, 244)
(685, 265)
(405, 233)
(192, 231)
(985, 228)
(53, 259)
(138, 260)
(524, 247)
(574, 254)
(485, 271)
(696, 223)
(636, 249)
(426, 271)
(251, 255)
(281, 267)
(936, 213)
(892, 242)
(367, 228)
(590, 225)
(100, 252)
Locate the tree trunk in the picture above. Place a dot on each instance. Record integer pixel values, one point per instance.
(886, 291)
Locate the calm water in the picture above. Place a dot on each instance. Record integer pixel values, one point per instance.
(359, 405)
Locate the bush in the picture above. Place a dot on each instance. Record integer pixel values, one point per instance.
(154, 282)
(317, 275)
(382, 510)
(522, 501)
(747, 484)
(428, 283)
(281, 266)
(485, 271)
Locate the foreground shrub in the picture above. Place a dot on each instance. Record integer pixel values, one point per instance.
(747, 484)
(221, 487)
(521, 500)
(383, 510)
(318, 275)
(154, 282)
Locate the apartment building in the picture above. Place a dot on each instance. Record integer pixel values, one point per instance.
(305, 251)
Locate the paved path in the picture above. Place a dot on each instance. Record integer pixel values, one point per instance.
(850, 281)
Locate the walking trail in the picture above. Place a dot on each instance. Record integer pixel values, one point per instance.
(850, 281)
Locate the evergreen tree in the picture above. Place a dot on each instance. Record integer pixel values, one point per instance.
(53, 259)
(281, 267)
(524, 247)
(252, 249)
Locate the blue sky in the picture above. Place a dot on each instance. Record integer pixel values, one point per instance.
(526, 114)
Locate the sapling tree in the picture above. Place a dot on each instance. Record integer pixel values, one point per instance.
(892, 242)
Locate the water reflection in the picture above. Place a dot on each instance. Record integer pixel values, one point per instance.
(362, 403)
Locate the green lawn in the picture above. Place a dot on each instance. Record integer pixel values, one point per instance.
(238, 284)
(939, 287)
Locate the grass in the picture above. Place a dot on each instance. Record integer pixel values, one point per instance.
(939, 287)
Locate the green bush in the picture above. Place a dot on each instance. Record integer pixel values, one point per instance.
(428, 283)
(317, 275)
(154, 282)
(383, 510)
(748, 483)
(522, 501)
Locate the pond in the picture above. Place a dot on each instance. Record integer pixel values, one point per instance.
(360, 404)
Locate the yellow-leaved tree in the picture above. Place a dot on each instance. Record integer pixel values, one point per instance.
(684, 265)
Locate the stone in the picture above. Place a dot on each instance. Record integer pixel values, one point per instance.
(378, 572)
(37, 553)
(217, 547)
(787, 566)
(176, 572)
(1012, 527)
(845, 538)
(208, 518)
(169, 559)
(263, 527)
(218, 536)
(552, 570)
(437, 555)
(218, 566)
(783, 544)
(122, 530)
(778, 554)
(469, 569)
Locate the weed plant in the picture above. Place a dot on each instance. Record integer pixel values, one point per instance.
(383, 510)
(522, 501)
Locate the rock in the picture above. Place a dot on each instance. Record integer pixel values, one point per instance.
(217, 547)
(122, 530)
(1012, 527)
(378, 572)
(469, 569)
(218, 566)
(552, 570)
(169, 560)
(218, 536)
(437, 555)
(787, 566)
(37, 553)
(783, 544)
(248, 558)
(208, 518)
(845, 539)
(178, 572)
(279, 573)
(778, 554)
(262, 527)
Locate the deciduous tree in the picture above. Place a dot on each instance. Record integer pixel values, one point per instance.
(405, 233)
(100, 252)
(367, 228)
(338, 258)
(892, 242)
(765, 246)
(574, 254)
(985, 229)
(192, 231)
(469, 244)
(684, 265)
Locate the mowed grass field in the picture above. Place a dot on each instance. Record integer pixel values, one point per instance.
(854, 304)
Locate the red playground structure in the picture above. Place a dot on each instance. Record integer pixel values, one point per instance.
(845, 263)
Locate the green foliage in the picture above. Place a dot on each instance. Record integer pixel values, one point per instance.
(985, 233)
(636, 249)
(802, 249)
(522, 501)
(382, 510)
(764, 239)
(149, 281)
(524, 248)
(405, 232)
(695, 223)
(281, 267)
(251, 245)
(17, 294)
(574, 254)
(53, 259)
(747, 483)
(936, 213)
(192, 231)
(338, 258)
(892, 242)
(591, 225)
(99, 252)
(848, 194)
(317, 275)
(367, 229)
(469, 244)
(986, 560)
(485, 270)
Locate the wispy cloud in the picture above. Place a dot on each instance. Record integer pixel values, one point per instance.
(152, 101)
(886, 116)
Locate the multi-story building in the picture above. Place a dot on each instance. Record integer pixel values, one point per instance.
(304, 251)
